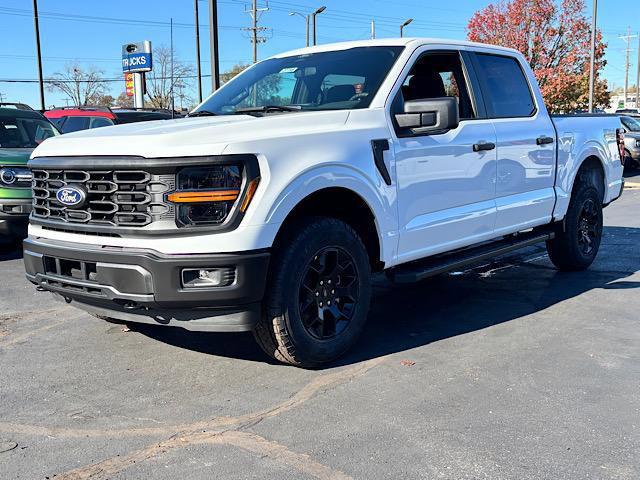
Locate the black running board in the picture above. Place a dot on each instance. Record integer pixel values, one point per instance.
(416, 271)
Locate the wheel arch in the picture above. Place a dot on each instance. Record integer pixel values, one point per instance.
(346, 205)
(592, 170)
(572, 167)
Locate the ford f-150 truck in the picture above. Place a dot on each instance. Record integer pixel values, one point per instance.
(269, 208)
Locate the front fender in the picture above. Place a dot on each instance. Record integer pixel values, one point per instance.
(381, 201)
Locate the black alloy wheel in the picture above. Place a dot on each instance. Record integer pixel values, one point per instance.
(588, 227)
(328, 293)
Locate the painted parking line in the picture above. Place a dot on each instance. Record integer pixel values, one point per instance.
(632, 185)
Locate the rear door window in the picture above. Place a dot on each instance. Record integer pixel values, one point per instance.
(505, 87)
(73, 124)
(97, 122)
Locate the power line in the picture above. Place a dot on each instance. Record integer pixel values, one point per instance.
(102, 80)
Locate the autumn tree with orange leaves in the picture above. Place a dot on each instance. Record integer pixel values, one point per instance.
(556, 40)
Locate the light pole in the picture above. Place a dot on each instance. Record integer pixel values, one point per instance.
(38, 52)
(213, 42)
(404, 25)
(198, 64)
(313, 15)
(306, 19)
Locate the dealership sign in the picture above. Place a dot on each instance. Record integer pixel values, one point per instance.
(136, 57)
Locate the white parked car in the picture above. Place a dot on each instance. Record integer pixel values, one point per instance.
(269, 209)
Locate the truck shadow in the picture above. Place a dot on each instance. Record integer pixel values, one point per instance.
(10, 252)
(403, 317)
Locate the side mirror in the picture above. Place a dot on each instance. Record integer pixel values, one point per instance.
(433, 115)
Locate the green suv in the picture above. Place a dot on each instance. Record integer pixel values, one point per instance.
(21, 130)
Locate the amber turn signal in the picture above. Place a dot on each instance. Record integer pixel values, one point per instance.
(206, 196)
(251, 190)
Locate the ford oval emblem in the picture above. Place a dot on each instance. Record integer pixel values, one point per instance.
(71, 196)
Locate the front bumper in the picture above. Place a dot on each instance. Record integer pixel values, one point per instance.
(145, 286)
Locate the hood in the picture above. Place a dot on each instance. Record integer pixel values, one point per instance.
(191, 136)
(15, 156)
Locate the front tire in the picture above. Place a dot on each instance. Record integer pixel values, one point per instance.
(318, 295)
(577, 240)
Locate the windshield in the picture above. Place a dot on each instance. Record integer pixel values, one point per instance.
(24, 132)
(337, 80)
(631, 124)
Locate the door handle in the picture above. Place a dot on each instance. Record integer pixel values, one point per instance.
(485, 146)
(544, 140)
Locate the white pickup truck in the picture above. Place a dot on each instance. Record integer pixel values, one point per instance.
(269, 209)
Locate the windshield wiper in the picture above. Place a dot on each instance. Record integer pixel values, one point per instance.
(202, 113)
(269, 108)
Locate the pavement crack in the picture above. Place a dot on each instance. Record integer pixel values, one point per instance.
(231, 431)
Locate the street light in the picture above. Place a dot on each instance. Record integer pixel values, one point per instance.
(306, 18)
(317, 12)
(404, 25)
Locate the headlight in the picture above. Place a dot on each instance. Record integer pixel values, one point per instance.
(206, 196)
(17, 177)
(637, 143)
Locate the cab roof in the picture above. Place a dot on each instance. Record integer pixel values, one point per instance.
(390, 42)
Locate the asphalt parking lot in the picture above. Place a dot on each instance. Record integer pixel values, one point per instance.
(505, 371)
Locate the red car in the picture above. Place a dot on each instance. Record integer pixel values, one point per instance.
(72, 119)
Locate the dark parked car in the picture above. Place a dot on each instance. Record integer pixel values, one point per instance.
(131, 115)
(72, 119)
(21, 131)
(631, 141)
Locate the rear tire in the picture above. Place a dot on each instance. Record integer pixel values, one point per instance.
(318, 294)
(577, 239)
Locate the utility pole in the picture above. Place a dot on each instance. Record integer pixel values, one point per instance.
(373, 29)
(638, 77)
(255, 14)
(173, 98)
(592, 69)
(198, 66)
(627, 38)
(213, 41)
(38, 52)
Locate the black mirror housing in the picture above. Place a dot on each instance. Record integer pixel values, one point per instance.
(432, 115)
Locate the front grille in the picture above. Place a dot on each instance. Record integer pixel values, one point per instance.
(119, 198)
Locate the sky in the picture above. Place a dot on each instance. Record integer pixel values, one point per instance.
(91, 32)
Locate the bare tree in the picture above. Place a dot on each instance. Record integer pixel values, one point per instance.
(159, 85)
(81, 86)
(124, 101)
